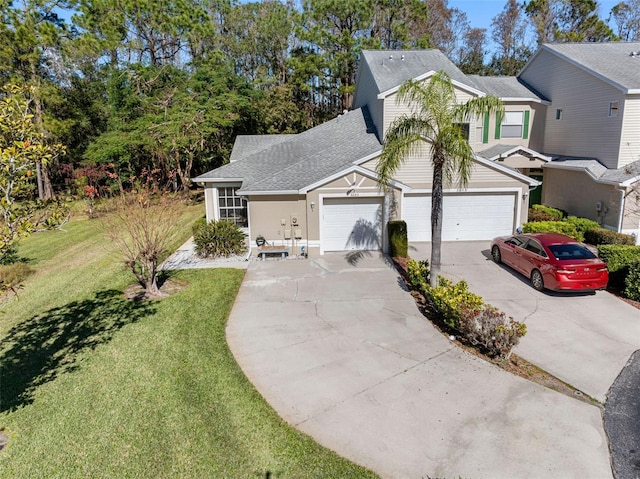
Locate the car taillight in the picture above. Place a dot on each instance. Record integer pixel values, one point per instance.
(601, 270)
(566, 271)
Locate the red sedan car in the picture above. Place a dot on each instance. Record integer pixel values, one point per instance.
(551, 261)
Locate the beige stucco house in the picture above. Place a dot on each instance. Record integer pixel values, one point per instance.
(318, 189)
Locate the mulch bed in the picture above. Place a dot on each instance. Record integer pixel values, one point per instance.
(514, 364)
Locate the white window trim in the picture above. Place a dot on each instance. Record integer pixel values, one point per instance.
(506, 123)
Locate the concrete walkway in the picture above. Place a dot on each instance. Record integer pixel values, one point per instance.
(340, 350)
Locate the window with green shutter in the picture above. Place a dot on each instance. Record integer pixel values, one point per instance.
(514, 124)
(485, 129)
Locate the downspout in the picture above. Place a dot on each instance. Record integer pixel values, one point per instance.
(249, 223)
(622, 205)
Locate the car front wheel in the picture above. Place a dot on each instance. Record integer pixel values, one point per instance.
(536, 280)
(495, 254)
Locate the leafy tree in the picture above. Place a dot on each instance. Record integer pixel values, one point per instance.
(567, 21)
(398, 24)
(335, 32)
(31, 36)
(434, 124)
(472, 55)
(626, 15)
(509, 34)
(257, 37)
(22, 147)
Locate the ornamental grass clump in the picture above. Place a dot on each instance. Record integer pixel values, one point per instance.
(219, 239)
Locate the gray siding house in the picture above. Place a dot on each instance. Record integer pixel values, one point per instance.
(318, 190)
(592, 128)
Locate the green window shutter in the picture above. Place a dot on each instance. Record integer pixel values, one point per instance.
(485, 129)
(525, 127)
(498, 125)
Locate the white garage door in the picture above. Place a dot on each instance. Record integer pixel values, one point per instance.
(351, 224)
(467, 217)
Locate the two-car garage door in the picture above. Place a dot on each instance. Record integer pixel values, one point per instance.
(356, 223)
(466, 216)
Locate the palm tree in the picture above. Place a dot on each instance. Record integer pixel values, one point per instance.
(436, 120)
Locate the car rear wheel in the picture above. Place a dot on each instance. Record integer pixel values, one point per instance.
(495, 254)
(536, 280)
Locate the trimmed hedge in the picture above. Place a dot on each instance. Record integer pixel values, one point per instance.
(398, 242)
(598, 236)
(548, 213)
(632, 282)
(619, 259)
(582, 224)
(561, 227)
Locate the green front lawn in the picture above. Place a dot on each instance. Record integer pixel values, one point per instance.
(93, 385)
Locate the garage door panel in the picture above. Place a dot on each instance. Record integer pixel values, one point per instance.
(467, 217)
(351, 224)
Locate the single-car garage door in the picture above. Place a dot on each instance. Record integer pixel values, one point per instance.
(351, 224)
(467, 216)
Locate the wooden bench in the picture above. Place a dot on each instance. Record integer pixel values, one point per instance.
(265, 250)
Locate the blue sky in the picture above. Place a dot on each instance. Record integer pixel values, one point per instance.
(481, 12)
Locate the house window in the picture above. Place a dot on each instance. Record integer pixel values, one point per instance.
(613, 109)
(464, 128)
(232, 207)
(512, 124)
(559, 114)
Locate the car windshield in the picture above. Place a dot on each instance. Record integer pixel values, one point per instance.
(570, 251)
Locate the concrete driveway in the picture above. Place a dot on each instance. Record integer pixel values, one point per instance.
(339, 349)
(585, 340)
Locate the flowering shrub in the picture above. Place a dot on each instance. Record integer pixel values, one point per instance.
(490, 329)
(481, 324)
(450, 299)
(418, 274)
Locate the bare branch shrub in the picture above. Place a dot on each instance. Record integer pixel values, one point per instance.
(140, 227)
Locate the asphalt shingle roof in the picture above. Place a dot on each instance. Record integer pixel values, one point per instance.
(246, 145)
(503, 87)
(597, 169)
(391, 68)
(306, 158)
(611, 60)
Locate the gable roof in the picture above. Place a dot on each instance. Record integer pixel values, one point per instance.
(623, 176)
(305, 158)
(500, 150)
(506, 88)
(391, 68)
(612, 62)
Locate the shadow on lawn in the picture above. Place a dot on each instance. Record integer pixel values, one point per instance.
(39, 349)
